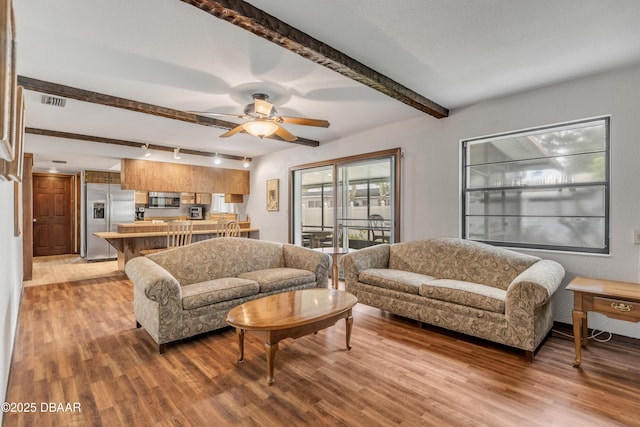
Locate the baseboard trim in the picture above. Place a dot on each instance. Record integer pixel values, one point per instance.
(619, 339)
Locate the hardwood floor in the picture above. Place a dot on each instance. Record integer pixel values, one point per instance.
(77, 342)
(63, 268)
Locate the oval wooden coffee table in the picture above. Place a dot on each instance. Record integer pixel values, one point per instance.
(290, 315)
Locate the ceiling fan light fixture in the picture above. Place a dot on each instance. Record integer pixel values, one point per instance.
(260, 128)
(145, 150)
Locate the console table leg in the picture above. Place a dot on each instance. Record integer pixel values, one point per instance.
(579, 339)
(585, 330)
(335, 272)
(271, 356)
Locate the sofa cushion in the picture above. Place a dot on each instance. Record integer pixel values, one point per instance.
(466, 293)
(275, 279)
(218, 290)
(396, 280)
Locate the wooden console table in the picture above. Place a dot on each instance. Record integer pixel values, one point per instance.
(617, 300)
(335, 255)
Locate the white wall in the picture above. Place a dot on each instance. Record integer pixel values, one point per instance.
(431, 171)
(10, 283)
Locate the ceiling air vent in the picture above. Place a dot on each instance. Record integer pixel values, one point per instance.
(61, 162)
(53, 100)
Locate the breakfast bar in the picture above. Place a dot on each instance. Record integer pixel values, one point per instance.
(132, 238)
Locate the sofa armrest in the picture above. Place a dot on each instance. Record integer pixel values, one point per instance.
(534, 287)
(156, 282)
(372, 257)
(308, 259)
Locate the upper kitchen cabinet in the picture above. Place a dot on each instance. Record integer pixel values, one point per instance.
(100, 177)
(159, 176)
(233, 198)
(203, 198)
(142, 198)
(235, 182)
(187, 198)
(195, 198)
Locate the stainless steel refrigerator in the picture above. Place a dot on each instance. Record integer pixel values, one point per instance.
(106, 205)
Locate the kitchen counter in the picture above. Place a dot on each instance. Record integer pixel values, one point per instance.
(132, 238)
(148, 226)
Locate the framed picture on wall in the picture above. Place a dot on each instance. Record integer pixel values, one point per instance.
(8, 79)
(273, 195)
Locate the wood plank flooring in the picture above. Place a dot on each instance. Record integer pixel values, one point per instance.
(77, 342)
(64, 268)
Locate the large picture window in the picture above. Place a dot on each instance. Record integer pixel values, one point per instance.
(546, 188)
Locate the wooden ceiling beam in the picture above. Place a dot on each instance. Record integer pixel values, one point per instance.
(260, 23)
(137, 106)
(103, 140)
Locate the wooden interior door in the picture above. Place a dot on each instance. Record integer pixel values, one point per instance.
(52, 226)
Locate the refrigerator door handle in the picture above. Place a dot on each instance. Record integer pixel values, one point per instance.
(109, 211)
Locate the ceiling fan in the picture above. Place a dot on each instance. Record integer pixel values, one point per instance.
(264, 120)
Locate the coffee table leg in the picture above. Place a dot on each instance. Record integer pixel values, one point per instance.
(349, 322)
(240, 335)
(271, 356)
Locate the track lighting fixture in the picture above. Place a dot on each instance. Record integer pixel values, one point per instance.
(216, 159)
(176, 153)
(246, 163)
(145, 150)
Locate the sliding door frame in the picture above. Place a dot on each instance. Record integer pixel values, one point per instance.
(335, 163)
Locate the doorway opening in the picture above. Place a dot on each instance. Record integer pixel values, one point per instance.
(53, 214)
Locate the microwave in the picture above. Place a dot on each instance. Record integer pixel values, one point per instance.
(196, 212)
(164, 200)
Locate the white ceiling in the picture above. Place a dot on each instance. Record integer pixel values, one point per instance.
(169, 53)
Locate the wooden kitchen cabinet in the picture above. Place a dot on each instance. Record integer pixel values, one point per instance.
(233, 198)
(203, 198)
(101, 177)
(142, 198)
(171, 177)
(187, 198)
(195, 198)
(235, 182)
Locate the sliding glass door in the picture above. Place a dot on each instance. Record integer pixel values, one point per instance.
(351, 203)
(313, 212)
(365, 203)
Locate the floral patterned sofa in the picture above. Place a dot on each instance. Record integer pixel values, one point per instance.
(188, 290)
(465, 286)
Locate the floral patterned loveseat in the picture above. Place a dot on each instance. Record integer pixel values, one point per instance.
(465, 286)
(188, 290)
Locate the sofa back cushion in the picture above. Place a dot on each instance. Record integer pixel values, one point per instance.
(458, 259)
(219, 257)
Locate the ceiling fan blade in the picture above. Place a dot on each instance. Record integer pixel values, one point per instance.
(206, 113)
(232, 132)
(304, 121)
(262, 108)
(285, 134)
